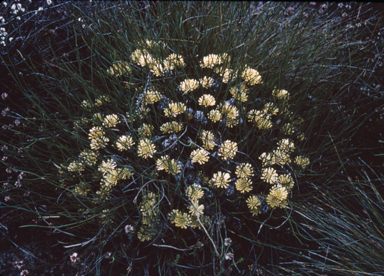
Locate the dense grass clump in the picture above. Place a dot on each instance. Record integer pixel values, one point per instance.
(196, 137)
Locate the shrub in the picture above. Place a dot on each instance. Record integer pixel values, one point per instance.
(178, 126)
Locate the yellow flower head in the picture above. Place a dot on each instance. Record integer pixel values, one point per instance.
(194, 192)
(225, 58)
(167, 164)
(302, 161)
(227, 74)
(157, 69)
(208, 139)
(243, 185)
(145, 130)
(172, 61)
(221, 180)
(240, 92)
(257, 116)
(143, 58)
(107, 166)
(75, 166)
(269, 175)
(171, 127)
(143, 112)
(189, 85)
(81, 189)
(214, 115)
(211, 61)
(199, 156)
(111, 120)
(98, 117)
(96, 133)
(135, 56)
(251, 76)
(175, 109)
(278, 94)
(89, 157)
(98, 140)
(151, 43)
(146, 233)
(281, 157)
(124, 143)
(151, 97)
(261, 118)
(267, 159)
(180, 219)
(86, 104)
(99, 143)
(124, 173)
(286, 145)
(286, 180)
(146, 148)
(207, 100)
(110, 178)
(244, 170)
(270, 108)
(101, 100)
(206, 82)
(287, 129)
(277, 195)
(231, 114)
(195, 209)
(119, 68)
(228, 150)
(253, 203)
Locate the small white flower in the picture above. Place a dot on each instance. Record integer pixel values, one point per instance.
(229, 256)
(128, 228)
(49, 2)
(227, 242)
(73, 257)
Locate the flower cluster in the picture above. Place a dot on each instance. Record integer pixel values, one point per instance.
(158, 67)
(207, 100)
(167, 164)
(244, 172)
(111, 120)
(171, 127)
(119, 68)
(199, 156)
(174, 109)
(189, 85)
(195, 218)
(98, 139)
(124, 143)
(227, 150)
(150, 217)
(188, 136)
(251, 76)
(221, 180)
(146, 148)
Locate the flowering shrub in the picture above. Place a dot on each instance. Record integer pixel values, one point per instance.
(189, 137)
(181, 143)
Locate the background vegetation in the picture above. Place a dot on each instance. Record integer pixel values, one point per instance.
(328, 56)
